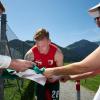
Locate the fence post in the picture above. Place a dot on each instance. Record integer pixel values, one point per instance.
(78, 90)
(3, 50)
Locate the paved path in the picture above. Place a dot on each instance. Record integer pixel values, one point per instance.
(68, 92)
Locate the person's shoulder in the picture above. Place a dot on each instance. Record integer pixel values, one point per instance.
(58, 50)
(34, 47)
(29, 54)
(53, 45)
(58, 54)
(29, 51)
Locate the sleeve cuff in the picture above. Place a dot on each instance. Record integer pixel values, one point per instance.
(5, 61)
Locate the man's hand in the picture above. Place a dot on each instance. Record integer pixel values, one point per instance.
(54, 79)
(65, 78)
(20, 65)
(51, 80)
(48, 73)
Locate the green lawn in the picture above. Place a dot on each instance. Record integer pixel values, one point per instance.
(91, 83)
(11, 90)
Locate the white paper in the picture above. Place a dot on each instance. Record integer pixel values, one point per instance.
(32, 75)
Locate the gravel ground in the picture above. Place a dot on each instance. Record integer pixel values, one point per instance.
(68, 92)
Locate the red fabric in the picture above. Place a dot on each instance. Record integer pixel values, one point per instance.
(48, 95)
(43, 60)
(47, 61)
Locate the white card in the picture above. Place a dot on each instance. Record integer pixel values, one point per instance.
(32, 75)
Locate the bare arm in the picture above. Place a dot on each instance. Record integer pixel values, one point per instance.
(29, 56)
(84, 75)
(59, 62)
(90, 63)
(16, 64)
(80, 76)
(59, 58)
(20, 65)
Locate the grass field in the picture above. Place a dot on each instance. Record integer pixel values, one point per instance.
(91, 83)
(12, 91)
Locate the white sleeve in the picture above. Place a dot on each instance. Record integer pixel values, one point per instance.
(5, 61)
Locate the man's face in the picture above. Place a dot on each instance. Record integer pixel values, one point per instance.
(43, 45)
(97, 21)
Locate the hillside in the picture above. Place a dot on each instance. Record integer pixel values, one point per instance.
(74, 52)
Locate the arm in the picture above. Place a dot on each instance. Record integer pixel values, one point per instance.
(59, 58)
(90, 63)
(80, 76)
(29, 56)
(84, 75)
(20, 65)
(59, 62)
(17, 64)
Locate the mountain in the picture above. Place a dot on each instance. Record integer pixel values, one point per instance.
(72, 53)
(69, 55)
(98, 42)
(81, 49)
(18, 48)
(31, 43)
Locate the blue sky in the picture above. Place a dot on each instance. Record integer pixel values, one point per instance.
(66, 20)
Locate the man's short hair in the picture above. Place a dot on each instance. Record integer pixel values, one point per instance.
(2, 7)
(41, 34)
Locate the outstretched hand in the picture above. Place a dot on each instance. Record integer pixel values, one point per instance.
(48, 73)
(65, 78)
(20, 65)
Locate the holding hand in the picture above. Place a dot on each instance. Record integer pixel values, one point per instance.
(51, 80)
(48, 73)
(65, 78)
(20, 65)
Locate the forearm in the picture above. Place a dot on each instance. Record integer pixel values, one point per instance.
(90, 63)
(71, 69)
(84, 75)
(13, 63)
